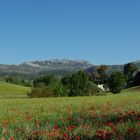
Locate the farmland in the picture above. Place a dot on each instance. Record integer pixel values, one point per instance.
(72, 118)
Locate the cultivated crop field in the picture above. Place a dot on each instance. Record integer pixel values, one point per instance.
(74, 118)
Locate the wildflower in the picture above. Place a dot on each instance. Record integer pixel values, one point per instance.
(37, 132)
(88, 132)
(11, 139)
(65, 135)
(18, 130)
(28, 118)
(110, 124)
(5, 132)
(138, 124)
(109, 134)
(121, 120)
(100, 133)
(131, 130)
(72, 127)
(5, 123)
(55, 130)
(56, 127)
(115, 130)
(77, 137)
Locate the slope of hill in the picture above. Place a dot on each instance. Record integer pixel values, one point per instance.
(133, 89)
(12, 90)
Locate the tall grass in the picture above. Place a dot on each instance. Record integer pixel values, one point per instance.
(98, 117)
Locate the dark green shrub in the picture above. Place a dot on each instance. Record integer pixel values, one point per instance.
(60, 90)
(116, 82)
(93, 89)
(45, 81)
(40, 92)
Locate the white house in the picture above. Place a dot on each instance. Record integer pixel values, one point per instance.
(101, 87)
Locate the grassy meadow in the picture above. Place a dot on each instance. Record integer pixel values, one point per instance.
(72, 118)
(12, 90)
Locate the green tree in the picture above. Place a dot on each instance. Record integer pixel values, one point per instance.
(116, 82)
(79, 84)
(66, 80)
(128, 71)
(95, 76)
(44, 81)
(60, 90)
(137, 79)
(103, 73)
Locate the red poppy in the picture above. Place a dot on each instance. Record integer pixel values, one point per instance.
(138, 123)
(72, 127)
(56, 127)
(28, 118)
(78, 138)
(110, 124)
(65, 135)
(131, 130)
(11, 139)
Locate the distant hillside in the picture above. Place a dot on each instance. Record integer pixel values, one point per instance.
(31, 70)
(113, 67)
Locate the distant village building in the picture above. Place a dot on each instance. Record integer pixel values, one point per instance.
(101, 88)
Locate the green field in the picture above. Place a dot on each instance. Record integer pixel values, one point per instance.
(11, 90)
(72, 118)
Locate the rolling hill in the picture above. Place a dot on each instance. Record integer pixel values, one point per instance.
(12, 90)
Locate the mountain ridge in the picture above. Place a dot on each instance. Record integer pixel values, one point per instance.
(57, 67)
(34, 68)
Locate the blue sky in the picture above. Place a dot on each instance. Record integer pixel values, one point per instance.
(100, 31)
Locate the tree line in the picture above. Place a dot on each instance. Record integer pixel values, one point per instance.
(82, 83)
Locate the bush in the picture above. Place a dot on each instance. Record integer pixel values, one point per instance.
(40, 92)
(17, 81)
(93, 89)
(60, 90)
(116, 82)
(55, 89)
(77, 84)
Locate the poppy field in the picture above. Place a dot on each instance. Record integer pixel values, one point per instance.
(71, 118)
